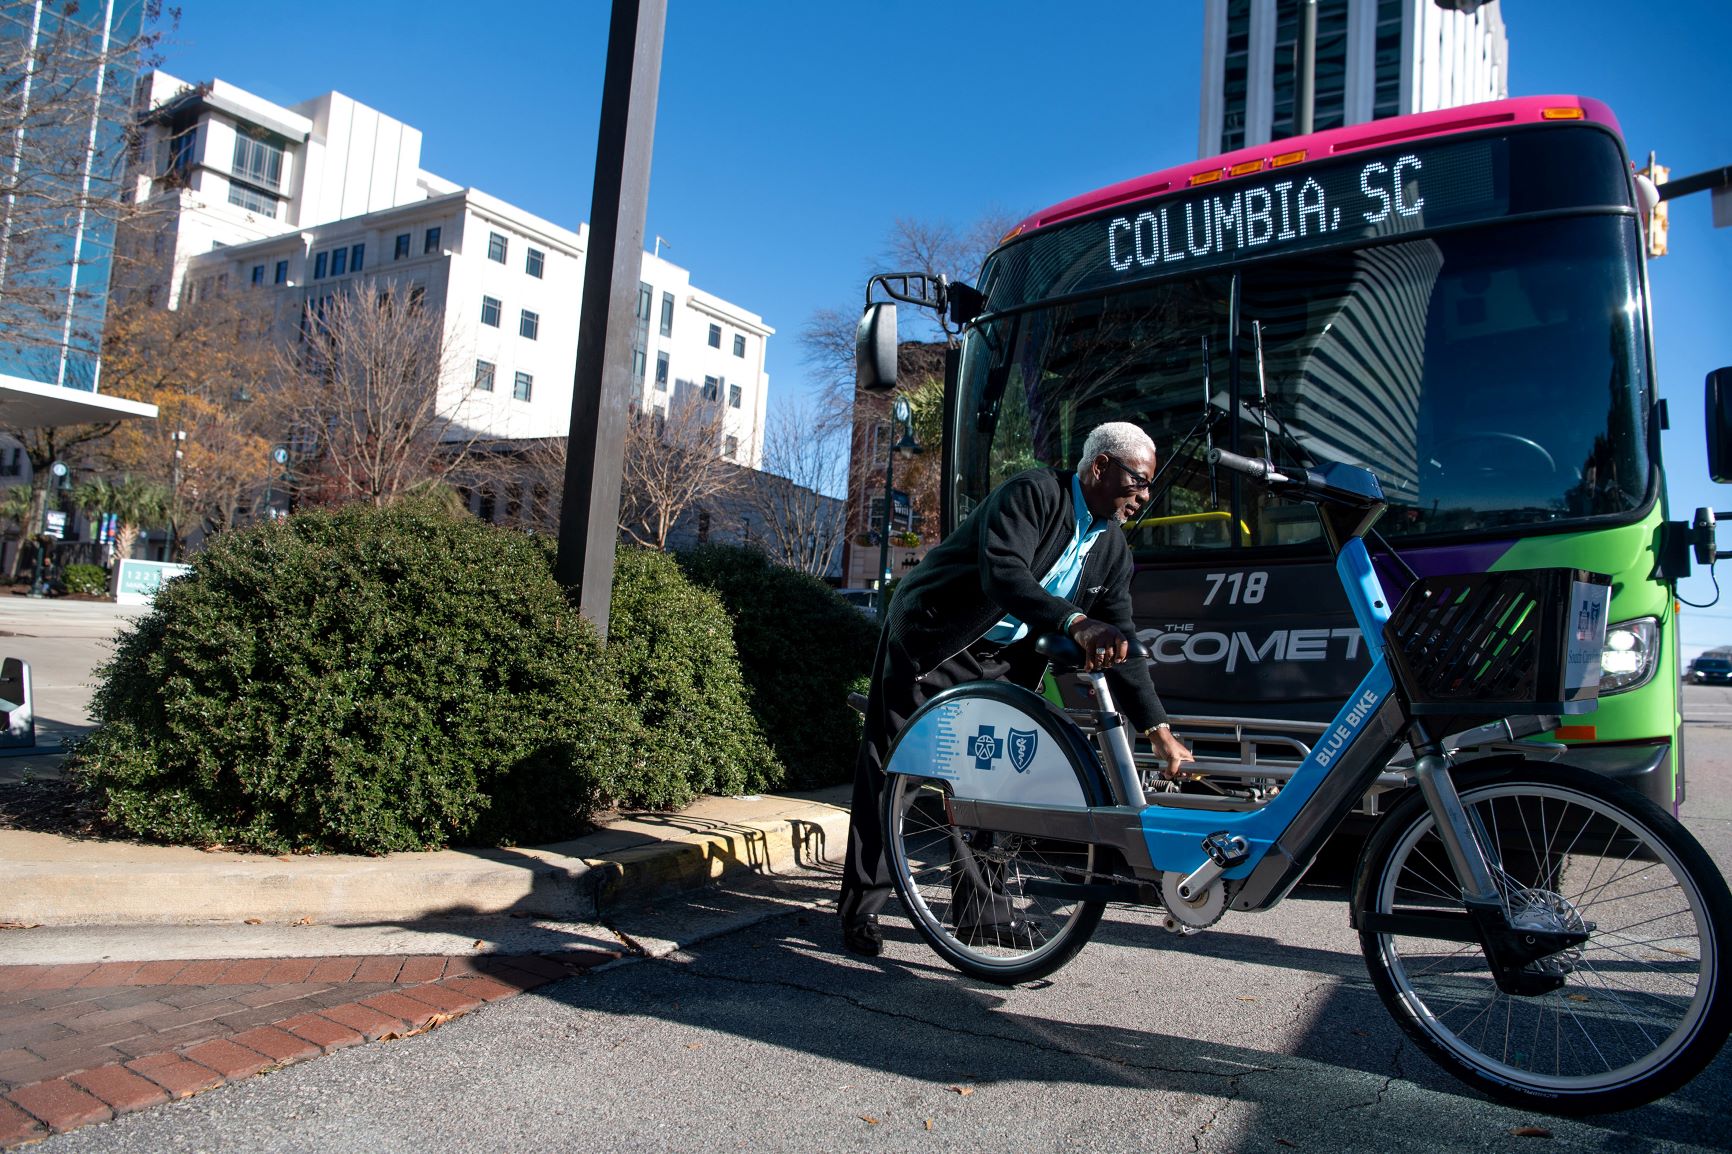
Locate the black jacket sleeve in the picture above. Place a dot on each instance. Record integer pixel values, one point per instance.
(1019, 514)
(1133, 688)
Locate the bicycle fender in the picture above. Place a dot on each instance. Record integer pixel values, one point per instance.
(997, 742)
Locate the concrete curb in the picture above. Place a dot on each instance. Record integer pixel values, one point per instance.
(634, 860)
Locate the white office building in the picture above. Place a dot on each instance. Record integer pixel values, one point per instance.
(321, 197)
(1374, 59)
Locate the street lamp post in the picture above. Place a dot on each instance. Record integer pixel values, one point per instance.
(279, 460)
(178, 439)
(57, 480)
(900, 414)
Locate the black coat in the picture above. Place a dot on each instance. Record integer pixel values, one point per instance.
(991, 566)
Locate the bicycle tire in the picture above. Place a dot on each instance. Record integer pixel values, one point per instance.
(1644, 1004)
(931, 860)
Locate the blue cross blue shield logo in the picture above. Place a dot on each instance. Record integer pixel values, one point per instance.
(1023, 743)
(984, 748)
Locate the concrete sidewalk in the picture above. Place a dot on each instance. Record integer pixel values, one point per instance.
(132, 974)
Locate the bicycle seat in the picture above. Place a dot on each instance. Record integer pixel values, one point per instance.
(1066, 654)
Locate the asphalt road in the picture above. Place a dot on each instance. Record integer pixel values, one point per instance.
(1261, 1034)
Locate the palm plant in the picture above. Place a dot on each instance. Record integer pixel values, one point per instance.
(136, 505)
(15, 515)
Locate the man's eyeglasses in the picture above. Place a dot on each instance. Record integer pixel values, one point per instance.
(1137, 480)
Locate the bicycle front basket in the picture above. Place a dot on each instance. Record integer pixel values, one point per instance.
(1522, 641)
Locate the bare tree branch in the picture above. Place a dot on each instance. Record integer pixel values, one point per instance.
(370, 388)
(65, 79)
(672, 463)
(796, 499)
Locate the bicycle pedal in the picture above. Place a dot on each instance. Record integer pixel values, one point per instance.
(1226, 849)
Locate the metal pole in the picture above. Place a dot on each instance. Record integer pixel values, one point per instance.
(601, 387)
(884, 534)
(1305, 93)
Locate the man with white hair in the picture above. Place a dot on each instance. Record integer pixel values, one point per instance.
(1042, 554)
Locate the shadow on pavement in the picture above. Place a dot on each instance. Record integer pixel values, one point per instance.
(1350, 1065)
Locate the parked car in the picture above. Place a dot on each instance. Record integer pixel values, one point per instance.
(865, 600)
(1711, 669)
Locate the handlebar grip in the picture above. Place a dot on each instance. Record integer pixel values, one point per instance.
(1257, 468)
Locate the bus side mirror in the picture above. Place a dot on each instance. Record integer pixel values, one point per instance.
(1717, 421)
(875, 348)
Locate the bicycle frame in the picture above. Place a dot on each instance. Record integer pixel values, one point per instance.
(1261, 853)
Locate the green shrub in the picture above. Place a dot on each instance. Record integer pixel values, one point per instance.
(363, 680)
(671, 648)
(802, 648)
(89, 580)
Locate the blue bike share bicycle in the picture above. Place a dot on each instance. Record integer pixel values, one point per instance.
(1548, 936)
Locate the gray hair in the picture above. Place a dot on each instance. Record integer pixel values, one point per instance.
(1119, 438)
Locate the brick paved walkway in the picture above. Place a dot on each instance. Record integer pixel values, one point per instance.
(83, 1043)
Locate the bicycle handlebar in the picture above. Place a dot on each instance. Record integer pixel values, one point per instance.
(1349, 486)
(1257, 468)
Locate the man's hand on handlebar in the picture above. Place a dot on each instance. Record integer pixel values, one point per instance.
(1102, 644)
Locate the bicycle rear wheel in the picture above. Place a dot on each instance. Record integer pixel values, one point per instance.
(972, 893)
(1643, 1005)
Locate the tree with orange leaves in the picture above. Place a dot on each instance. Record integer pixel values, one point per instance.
(202, 365)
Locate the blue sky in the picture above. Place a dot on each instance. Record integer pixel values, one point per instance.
(791, 133)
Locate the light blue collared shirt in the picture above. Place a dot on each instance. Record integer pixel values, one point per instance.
(1061, 580)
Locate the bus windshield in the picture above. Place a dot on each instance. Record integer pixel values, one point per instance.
(1493, 376)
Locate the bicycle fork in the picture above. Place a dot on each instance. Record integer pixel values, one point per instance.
(1510, 948)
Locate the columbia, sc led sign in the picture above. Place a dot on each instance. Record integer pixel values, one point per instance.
(1273, 213)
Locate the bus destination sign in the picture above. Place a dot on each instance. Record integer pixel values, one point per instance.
(1365, 198)
(1400, 192)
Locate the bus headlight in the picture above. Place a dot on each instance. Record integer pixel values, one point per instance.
(1628, 660)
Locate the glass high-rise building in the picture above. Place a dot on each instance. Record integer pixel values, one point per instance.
(70, 71)
(1374, 58)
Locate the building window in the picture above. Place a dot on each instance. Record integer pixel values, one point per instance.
(490, 311)
(252, 200)
(739, 346)
(712, 388)
(637, 365)
(533, 261)
(524, 383)
(645, 294)
(529, 324)
(496, 247)
(715, 336)
(730, 447)
(319, 266)
(258, 162)
(356, 252)
(431, 243)
(733, 396)
(402, 247)
(661, 372)
(258, 274)
(667, 314)
(484, 376)
(282, 273)
(182, 148)
(339, 261)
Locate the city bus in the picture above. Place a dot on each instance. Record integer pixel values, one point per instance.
(1456, 300)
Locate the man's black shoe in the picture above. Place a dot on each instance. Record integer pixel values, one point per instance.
(1013, 935)
(861, 935)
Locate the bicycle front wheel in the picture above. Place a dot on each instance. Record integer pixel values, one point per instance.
(1642, 1006)
(975, 895)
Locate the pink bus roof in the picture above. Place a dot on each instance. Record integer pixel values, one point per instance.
(1320, 145)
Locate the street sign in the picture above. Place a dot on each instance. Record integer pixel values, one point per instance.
(53, 523)
(138, 581)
